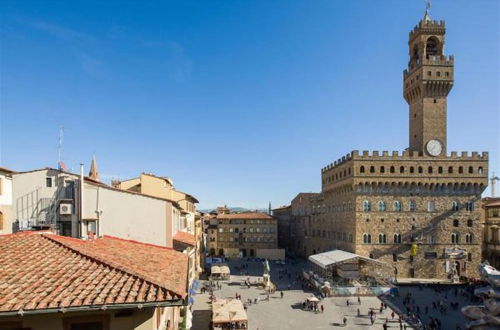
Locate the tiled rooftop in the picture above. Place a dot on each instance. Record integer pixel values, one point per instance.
(40, 271)
(247, 215)
(183, 240)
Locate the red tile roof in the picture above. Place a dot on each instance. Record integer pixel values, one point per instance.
(247, 215)
(182, 240)
(43, 271)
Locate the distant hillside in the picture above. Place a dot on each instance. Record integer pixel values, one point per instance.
(237, 209)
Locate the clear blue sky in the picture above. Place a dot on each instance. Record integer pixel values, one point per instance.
(240, 102)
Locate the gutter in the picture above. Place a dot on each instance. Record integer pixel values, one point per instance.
(91, 308)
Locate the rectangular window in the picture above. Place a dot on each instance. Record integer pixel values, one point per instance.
(48, 182)
(430, 255)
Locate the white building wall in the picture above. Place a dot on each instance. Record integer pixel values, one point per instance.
(6, 203)
(126, 215)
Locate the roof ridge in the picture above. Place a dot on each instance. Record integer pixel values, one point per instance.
(110, 264)
(138, 242)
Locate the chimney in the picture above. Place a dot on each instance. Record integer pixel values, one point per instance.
(80, 222)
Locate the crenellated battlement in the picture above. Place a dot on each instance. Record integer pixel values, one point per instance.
(434, 26)
(404, 156)
(433, 60)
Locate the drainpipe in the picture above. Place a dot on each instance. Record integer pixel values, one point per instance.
(80, 222)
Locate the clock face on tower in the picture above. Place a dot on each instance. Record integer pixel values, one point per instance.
(434, 148)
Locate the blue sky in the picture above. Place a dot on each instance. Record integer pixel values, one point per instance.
(240, 102)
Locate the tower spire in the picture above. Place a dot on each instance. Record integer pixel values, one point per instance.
(427, 16)
(94, 173)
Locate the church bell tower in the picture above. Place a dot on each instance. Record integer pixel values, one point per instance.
(427, 82)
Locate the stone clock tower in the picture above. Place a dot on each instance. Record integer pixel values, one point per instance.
(427, 82)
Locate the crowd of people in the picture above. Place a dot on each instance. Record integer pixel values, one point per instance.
(445, 298)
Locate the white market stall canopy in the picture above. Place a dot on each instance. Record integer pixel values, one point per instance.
(228, 310)
(333, 257)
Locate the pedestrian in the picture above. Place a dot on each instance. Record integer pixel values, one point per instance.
(359, 300)
(281, 293)
(322, 309)
(347, 302)
(345, 321)
(372, 319)
(359, 313)
(392, 315)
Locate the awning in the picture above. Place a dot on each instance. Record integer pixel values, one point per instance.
(333, 257)
(228, 310)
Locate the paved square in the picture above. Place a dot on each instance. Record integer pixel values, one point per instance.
(287, 312)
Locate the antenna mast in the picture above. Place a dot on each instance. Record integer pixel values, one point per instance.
(60, 148)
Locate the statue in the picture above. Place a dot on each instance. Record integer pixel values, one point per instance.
(266, 275)
(487, 315)
(267, 268)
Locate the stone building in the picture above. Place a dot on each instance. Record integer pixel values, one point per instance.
(416, 210)
(242, 235)
(491, 219)
(284, 217)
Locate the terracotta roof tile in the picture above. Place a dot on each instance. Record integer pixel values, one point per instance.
(49, 271)
(183, 240)
(247, 215)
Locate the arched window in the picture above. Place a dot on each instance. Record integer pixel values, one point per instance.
(450, 169)
(397, 206)
(367, 206)
(397, 238)
(412, 206)
(429, 170)
(455, 238)
(455, 206)
(382, 238)
(412, 169)
(367, 238)
(420, 169)
(469, 206)
(440, 170)
(402, 169)
(381, 206)
(480, 170)
(469, 223)
(460, 169)
(455, 223)
(431, 47)
(382, 169)
(392, 169)
(431, 206)
(372, 169)
(471, 169)
(468, 238)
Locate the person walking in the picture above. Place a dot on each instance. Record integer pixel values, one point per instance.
(345, 321)
(322, 309)
(359, 313)
(347, 302)
(281, 293)
(359, 300)
(392, 315)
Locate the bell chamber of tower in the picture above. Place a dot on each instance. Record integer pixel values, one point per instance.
(427, 82)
